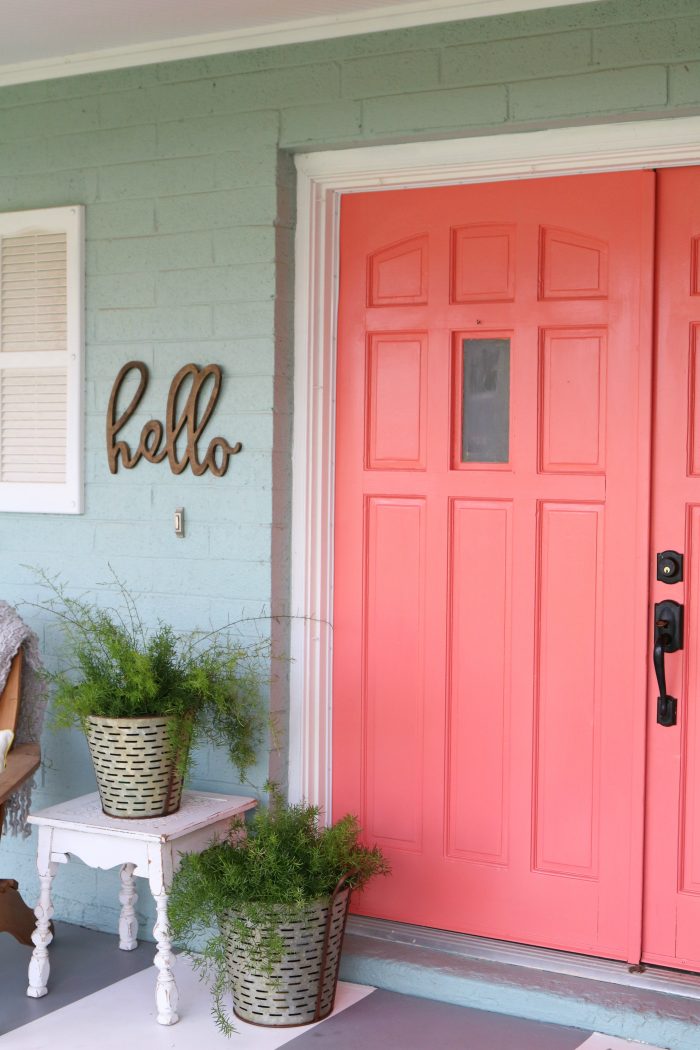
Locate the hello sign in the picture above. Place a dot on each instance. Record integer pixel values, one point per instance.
(189, 389)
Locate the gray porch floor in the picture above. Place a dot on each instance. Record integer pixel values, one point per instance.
(101, 998)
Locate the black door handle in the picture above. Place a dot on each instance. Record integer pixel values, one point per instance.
(668, 638)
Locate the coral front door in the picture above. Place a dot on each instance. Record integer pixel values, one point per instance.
(672, 872)
(490, 625)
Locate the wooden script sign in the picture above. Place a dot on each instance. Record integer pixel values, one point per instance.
(188, 425)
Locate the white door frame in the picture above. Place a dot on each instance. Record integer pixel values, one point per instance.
(322, 179)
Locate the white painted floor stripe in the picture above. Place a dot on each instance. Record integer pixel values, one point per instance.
(612, 1042)
(123, 1016)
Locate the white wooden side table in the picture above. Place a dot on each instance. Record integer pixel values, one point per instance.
(149, 849)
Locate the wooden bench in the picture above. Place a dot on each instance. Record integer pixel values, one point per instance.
(23, 760)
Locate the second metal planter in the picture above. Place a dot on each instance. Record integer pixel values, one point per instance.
(300, 988)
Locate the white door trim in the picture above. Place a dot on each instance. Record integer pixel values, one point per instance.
(322, 180)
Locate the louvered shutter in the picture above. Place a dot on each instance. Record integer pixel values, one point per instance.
(41, 352)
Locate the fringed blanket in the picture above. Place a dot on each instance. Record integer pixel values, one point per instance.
(14, 634)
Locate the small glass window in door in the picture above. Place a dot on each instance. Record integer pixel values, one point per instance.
(485, 400)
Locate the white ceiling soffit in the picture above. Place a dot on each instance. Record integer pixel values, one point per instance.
(42, 39)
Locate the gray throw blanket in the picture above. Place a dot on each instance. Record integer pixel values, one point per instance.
(14, 634)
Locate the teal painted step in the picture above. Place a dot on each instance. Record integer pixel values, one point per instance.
(656, 1006)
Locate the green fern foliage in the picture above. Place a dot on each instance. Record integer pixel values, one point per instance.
(118, 669)
(261, 877)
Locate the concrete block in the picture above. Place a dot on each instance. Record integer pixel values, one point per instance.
(269, 87)
(151, 540)
(252, 393)
(246, 167)
(609, 92)
(154, 323)
(211, 502)
(684, 84)
(116, 80)
(253, 429)
(47, 118)
(120, 219)
(216, 578)
(257, 205)
(325, 123)
(239, 320)
(138, 254)
(23, 94)
(191, 98)
(181, 138)
(102, 147)
(244, 244)
(667, 39)
(252, 469)
(23, 157)
(242, 541)
(433, 110)
(318, 51)
(518, 59)
(103, 360)
(238, 357)
(217, 284)
(29, 539)
(390, 74)
(49, 190)
(124, 108)
(120, 290)
(159, 178)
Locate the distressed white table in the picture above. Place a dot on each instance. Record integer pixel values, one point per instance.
(149, 849)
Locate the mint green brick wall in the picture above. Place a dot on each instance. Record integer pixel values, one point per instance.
(186, 173)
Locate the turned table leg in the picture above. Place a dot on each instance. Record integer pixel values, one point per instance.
(42, 936)
(166, 989)
(128, 923)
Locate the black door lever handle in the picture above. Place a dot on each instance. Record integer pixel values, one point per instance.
(668, 638)
(659, 664)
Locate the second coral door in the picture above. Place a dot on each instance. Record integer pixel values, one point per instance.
(490, 626)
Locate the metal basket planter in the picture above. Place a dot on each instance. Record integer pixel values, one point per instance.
(136, 765)
(301, 986)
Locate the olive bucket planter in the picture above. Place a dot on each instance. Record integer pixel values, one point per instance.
(146, 698)
(298, 987)
(278, 886)
(138, 764)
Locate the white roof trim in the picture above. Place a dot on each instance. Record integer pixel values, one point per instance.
(419, 12)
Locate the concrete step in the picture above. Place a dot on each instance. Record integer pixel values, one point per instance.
(654, 1006)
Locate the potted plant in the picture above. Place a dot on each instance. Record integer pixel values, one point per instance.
(145, 698)
(279, 890)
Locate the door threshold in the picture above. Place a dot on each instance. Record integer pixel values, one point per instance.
(657, 1006)
(545, 960)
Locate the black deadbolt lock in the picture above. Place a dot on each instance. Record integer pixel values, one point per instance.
(669, 567)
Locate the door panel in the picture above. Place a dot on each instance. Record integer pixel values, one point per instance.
(491, 553)
(672, 875)
(478, 763)
(568, 735)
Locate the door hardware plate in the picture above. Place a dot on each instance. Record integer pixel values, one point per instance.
(669, 567)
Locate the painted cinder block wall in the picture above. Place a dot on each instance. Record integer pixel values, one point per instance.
(186, 173)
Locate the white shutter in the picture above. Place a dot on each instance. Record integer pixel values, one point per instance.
(41, 354)
(33, 297)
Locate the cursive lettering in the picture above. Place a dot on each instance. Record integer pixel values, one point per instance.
(188, 425)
